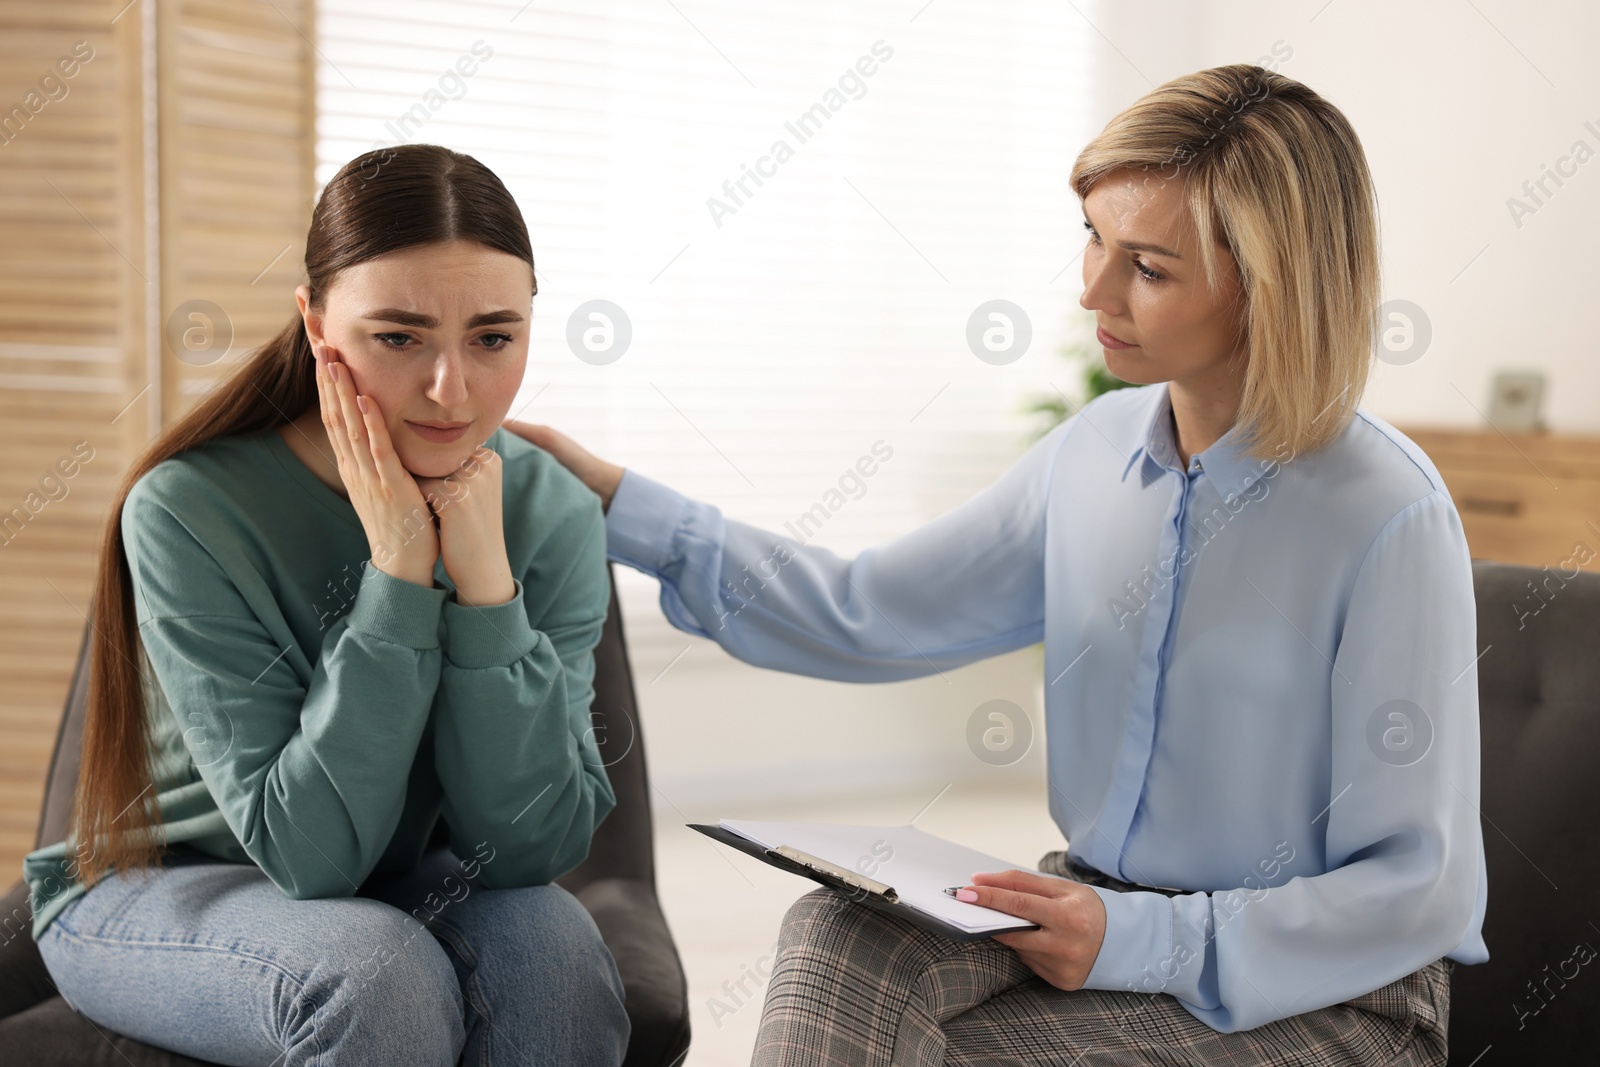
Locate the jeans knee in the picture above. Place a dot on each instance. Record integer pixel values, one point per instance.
(385, 986)
(541, 968)
(554, 942)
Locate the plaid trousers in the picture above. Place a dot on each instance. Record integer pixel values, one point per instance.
(855, 987)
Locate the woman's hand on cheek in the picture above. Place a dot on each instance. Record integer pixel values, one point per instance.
(472, 535)
(1071, 918)
(393, 513)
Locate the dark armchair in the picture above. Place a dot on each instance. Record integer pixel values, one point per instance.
(616, 882)
(1535, 1001)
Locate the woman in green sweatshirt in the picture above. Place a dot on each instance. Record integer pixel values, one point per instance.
(344, 638)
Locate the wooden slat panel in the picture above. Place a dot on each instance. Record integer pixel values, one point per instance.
(236, 100)
(66, 240)
(238, 154)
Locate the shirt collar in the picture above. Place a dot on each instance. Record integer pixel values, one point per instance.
(1228, 467)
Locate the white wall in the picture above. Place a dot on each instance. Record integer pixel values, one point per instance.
(720, 732)
(1455, 115)
(1457, 105)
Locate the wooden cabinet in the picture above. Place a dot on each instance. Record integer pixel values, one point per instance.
(1523, 498)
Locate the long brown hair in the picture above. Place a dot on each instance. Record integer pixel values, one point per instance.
(380, 202)
(1275, 174)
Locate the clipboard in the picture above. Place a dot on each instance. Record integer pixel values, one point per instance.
(855, 886)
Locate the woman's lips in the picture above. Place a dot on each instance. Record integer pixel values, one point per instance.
(1111, 342)
(437, 436)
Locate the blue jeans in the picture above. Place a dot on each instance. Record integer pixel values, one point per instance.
(428, 968)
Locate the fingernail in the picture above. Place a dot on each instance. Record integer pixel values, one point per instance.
(316, 353)
(968, 895)
(361, 402)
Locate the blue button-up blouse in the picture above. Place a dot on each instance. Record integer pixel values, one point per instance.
(1261, 683)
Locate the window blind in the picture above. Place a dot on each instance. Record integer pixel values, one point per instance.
(798, 210)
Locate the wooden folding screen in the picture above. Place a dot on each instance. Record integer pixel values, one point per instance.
(156, 176)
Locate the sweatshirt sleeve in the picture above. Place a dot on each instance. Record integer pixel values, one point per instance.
(963, 587)
(513, 745)
(315, 757)
(1400, 833)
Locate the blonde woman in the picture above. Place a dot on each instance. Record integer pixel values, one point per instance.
(1257, 609)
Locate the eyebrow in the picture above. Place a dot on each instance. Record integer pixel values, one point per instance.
(428, 322)
(1139, 246)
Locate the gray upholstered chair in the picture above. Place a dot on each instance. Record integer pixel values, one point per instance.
(1539, 709)
(616, 882)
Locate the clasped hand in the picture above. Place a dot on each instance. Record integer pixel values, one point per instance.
(412, 522)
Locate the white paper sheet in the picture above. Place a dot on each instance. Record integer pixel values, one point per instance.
(918, 865)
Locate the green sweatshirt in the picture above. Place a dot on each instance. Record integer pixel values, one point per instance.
(315, 716)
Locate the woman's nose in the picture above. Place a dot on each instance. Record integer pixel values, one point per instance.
(1099, 288)
(447, 386)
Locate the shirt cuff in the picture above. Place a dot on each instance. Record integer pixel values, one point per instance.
(1139, 952)
(642, 522)
(478, 638)
(395, 610)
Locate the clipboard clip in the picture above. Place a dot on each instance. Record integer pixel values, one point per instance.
(831, 871)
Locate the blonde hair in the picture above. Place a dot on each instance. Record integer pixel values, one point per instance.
(1276, 175)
